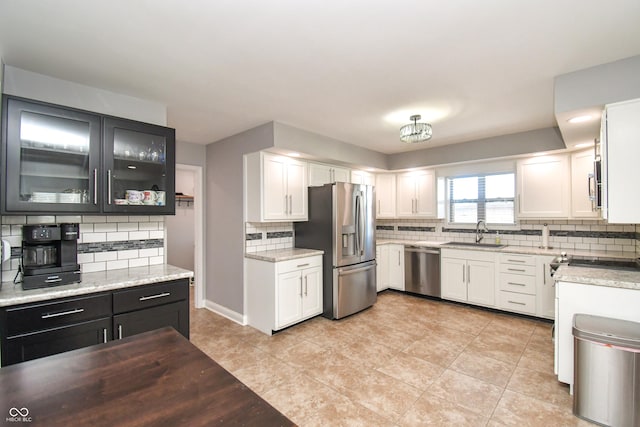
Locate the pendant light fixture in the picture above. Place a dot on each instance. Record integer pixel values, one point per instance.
(415, 132)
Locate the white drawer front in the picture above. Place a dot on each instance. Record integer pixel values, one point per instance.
(517, 259)
(520, 303)
(518, 283)
(529, 270)
(299, 263)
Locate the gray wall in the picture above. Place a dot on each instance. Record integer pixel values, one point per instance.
(546, 139)
(325, 148)
(30, 85)
(596, 86)
(225, 215)
(190, 154)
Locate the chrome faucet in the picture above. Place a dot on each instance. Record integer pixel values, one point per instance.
(479, 235)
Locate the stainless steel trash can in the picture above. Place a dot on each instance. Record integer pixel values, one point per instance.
(606, 378)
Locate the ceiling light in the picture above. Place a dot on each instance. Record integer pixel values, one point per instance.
(580, 119)
(415, 132)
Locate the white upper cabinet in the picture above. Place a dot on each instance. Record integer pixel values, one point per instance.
(321, 174)
(385, 195)
(416, 194)
(583, 185)
(275, 188)
(620, 154)
(543, 187)
(362, 177)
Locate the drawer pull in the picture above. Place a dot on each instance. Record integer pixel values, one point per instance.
(516, 260)
(119, 332)
(516, 284)
(62, 313)
(516, 302)
(162, 295)
(516, 269)
(104, 334)
(302, 265)
(53, 279)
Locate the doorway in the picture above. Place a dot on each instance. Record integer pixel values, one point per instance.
(185, 231)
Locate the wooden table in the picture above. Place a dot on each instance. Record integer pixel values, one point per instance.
(155, 378)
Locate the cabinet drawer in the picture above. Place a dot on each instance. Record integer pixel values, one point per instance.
(518, 283)
(520, 303)
(299, 263)
(529, 270)
(66, 338)
(175, 315)
(147, 296)
(517, 259)
(43, 316)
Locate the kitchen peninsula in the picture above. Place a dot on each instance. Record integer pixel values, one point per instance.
(105, 306)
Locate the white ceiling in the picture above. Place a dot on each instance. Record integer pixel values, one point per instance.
(353, 70)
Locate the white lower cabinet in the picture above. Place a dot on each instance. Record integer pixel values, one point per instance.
(545, 288)
(517, 283)
(280, 294)
(468, 276)
(390, 269)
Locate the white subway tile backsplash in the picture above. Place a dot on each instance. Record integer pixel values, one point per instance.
(147, 252)
(156, 218)
(44, 219)
(148, 226)
(138, 235)
(114, 265)
(141, 218)
(117, 218)
(138, 262)
(156, 260)
(159, 234)
(14, 219)
(105, 227)
(106, 256)
(128, 254)
(91, 267)
(85, 258)
(68, 218)
(128, 226)
(117, 236)
(93, 237)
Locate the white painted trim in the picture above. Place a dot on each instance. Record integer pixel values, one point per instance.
(198, 211)
(225, 312)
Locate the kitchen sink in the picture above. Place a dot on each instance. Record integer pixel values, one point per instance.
(475, 245)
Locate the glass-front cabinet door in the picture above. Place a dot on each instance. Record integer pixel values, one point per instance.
(139, 160)
(52, 158)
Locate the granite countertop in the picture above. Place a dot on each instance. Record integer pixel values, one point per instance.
(101, 281)
(525, 250)
(598, 276)
(278, 255)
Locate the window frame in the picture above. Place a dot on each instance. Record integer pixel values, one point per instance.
(481, 201)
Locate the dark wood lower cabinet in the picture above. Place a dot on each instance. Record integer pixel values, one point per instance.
(45, 343)
(31, 331)
(174, 314)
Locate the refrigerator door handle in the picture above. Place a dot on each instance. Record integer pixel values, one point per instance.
(359, 225)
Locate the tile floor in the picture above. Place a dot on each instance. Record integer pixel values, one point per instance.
(407, 361)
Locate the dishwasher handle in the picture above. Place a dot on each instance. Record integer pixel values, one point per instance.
(422, 250)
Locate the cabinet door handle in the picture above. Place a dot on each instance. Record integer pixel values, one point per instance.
(53, 279)
(378, 207)
(305, 286)
(516, 302)
(104, 334)
(417, 205)
(109, 186)
(162, 295)
(119, 332)
(544, 274)
(519, 204)
(95, 186)
(468, 274)
(302, 265)
(286, 205)
(516, 260)
(516, 284)
(520, 270)
(62, 313)
(300, 286)
(290, 204)
(463, 275)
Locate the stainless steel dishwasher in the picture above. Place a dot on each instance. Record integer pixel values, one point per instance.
(422, 270)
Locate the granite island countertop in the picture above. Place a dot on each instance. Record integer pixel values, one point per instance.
(598, 276)
(101, 281)
(277, 255)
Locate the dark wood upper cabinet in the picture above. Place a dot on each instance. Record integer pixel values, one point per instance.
(59, 160)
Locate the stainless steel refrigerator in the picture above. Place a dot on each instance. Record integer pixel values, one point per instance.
(342, 224)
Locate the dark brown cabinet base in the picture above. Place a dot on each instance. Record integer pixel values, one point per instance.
(31, 331)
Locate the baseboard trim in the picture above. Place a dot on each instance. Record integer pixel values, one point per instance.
(225, 312)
